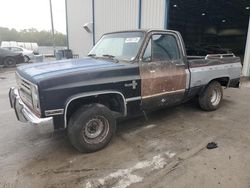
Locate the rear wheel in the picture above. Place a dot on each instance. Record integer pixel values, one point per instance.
(91, 128)
(212, 96)
(9, 62)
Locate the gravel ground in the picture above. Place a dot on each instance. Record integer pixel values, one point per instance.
(168, 150)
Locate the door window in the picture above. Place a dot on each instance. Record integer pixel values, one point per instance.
(147, 54)
(162, 47)
(16, 49)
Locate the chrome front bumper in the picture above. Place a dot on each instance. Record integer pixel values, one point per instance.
(23, 113)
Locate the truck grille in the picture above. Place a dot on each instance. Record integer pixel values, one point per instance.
(24, 90)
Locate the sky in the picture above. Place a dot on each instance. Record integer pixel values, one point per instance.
(25, 14)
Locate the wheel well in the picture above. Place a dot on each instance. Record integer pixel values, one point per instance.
(114, 101)
(8, 57)
(224, 81)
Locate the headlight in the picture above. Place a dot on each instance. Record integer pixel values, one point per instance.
(35, 98)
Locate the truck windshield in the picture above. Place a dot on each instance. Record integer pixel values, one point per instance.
(121, 46)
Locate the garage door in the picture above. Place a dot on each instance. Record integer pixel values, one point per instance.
(210, 27)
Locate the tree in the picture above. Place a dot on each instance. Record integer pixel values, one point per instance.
(42, 38)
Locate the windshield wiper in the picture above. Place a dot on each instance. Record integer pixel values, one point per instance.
(110, 57)
(91, 55)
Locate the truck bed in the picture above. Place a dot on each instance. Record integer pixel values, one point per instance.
(210, 60)
(206, 68)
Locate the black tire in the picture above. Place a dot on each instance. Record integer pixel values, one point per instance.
(91, 118)
(212, 96)
(9, 62)
(26, 59)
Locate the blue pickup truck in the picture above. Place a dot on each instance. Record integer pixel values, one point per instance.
(126, 73)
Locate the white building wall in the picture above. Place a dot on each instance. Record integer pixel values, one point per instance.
(79, 12)
(109, 15)
(152, 14)
(115, 15)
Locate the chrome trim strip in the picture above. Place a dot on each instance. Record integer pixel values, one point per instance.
(216, 67)
(187, 78)
(133, 99)
(219, 55)
(163, 93)
(82, 95)
(54, 112)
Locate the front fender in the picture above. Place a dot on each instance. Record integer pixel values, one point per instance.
(91, 94)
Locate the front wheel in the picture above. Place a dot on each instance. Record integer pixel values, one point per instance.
(212, 96)
(91, 128)
(9, 62)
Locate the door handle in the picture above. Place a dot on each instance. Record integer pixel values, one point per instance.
(151, 69)
(179, 65)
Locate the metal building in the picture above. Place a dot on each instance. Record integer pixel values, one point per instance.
(219, 26)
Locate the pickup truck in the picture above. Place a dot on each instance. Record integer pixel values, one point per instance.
(125, 74)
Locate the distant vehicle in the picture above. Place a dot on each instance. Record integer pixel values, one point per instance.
(9, 58)
(27, 45)
(27, 54)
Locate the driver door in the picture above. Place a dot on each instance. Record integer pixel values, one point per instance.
(162, 71)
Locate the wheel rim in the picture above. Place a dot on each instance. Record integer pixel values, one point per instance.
(9, 62)
(216, 97)
(95, 130)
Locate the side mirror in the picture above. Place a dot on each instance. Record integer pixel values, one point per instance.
(88, 27)
(146, 59)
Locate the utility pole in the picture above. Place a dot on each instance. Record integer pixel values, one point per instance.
(52, 27)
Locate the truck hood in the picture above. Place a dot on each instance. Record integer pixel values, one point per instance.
(40, 71)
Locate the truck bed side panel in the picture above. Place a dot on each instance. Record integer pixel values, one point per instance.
(201, 76)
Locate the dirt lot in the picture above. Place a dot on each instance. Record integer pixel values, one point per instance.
(168, 150)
